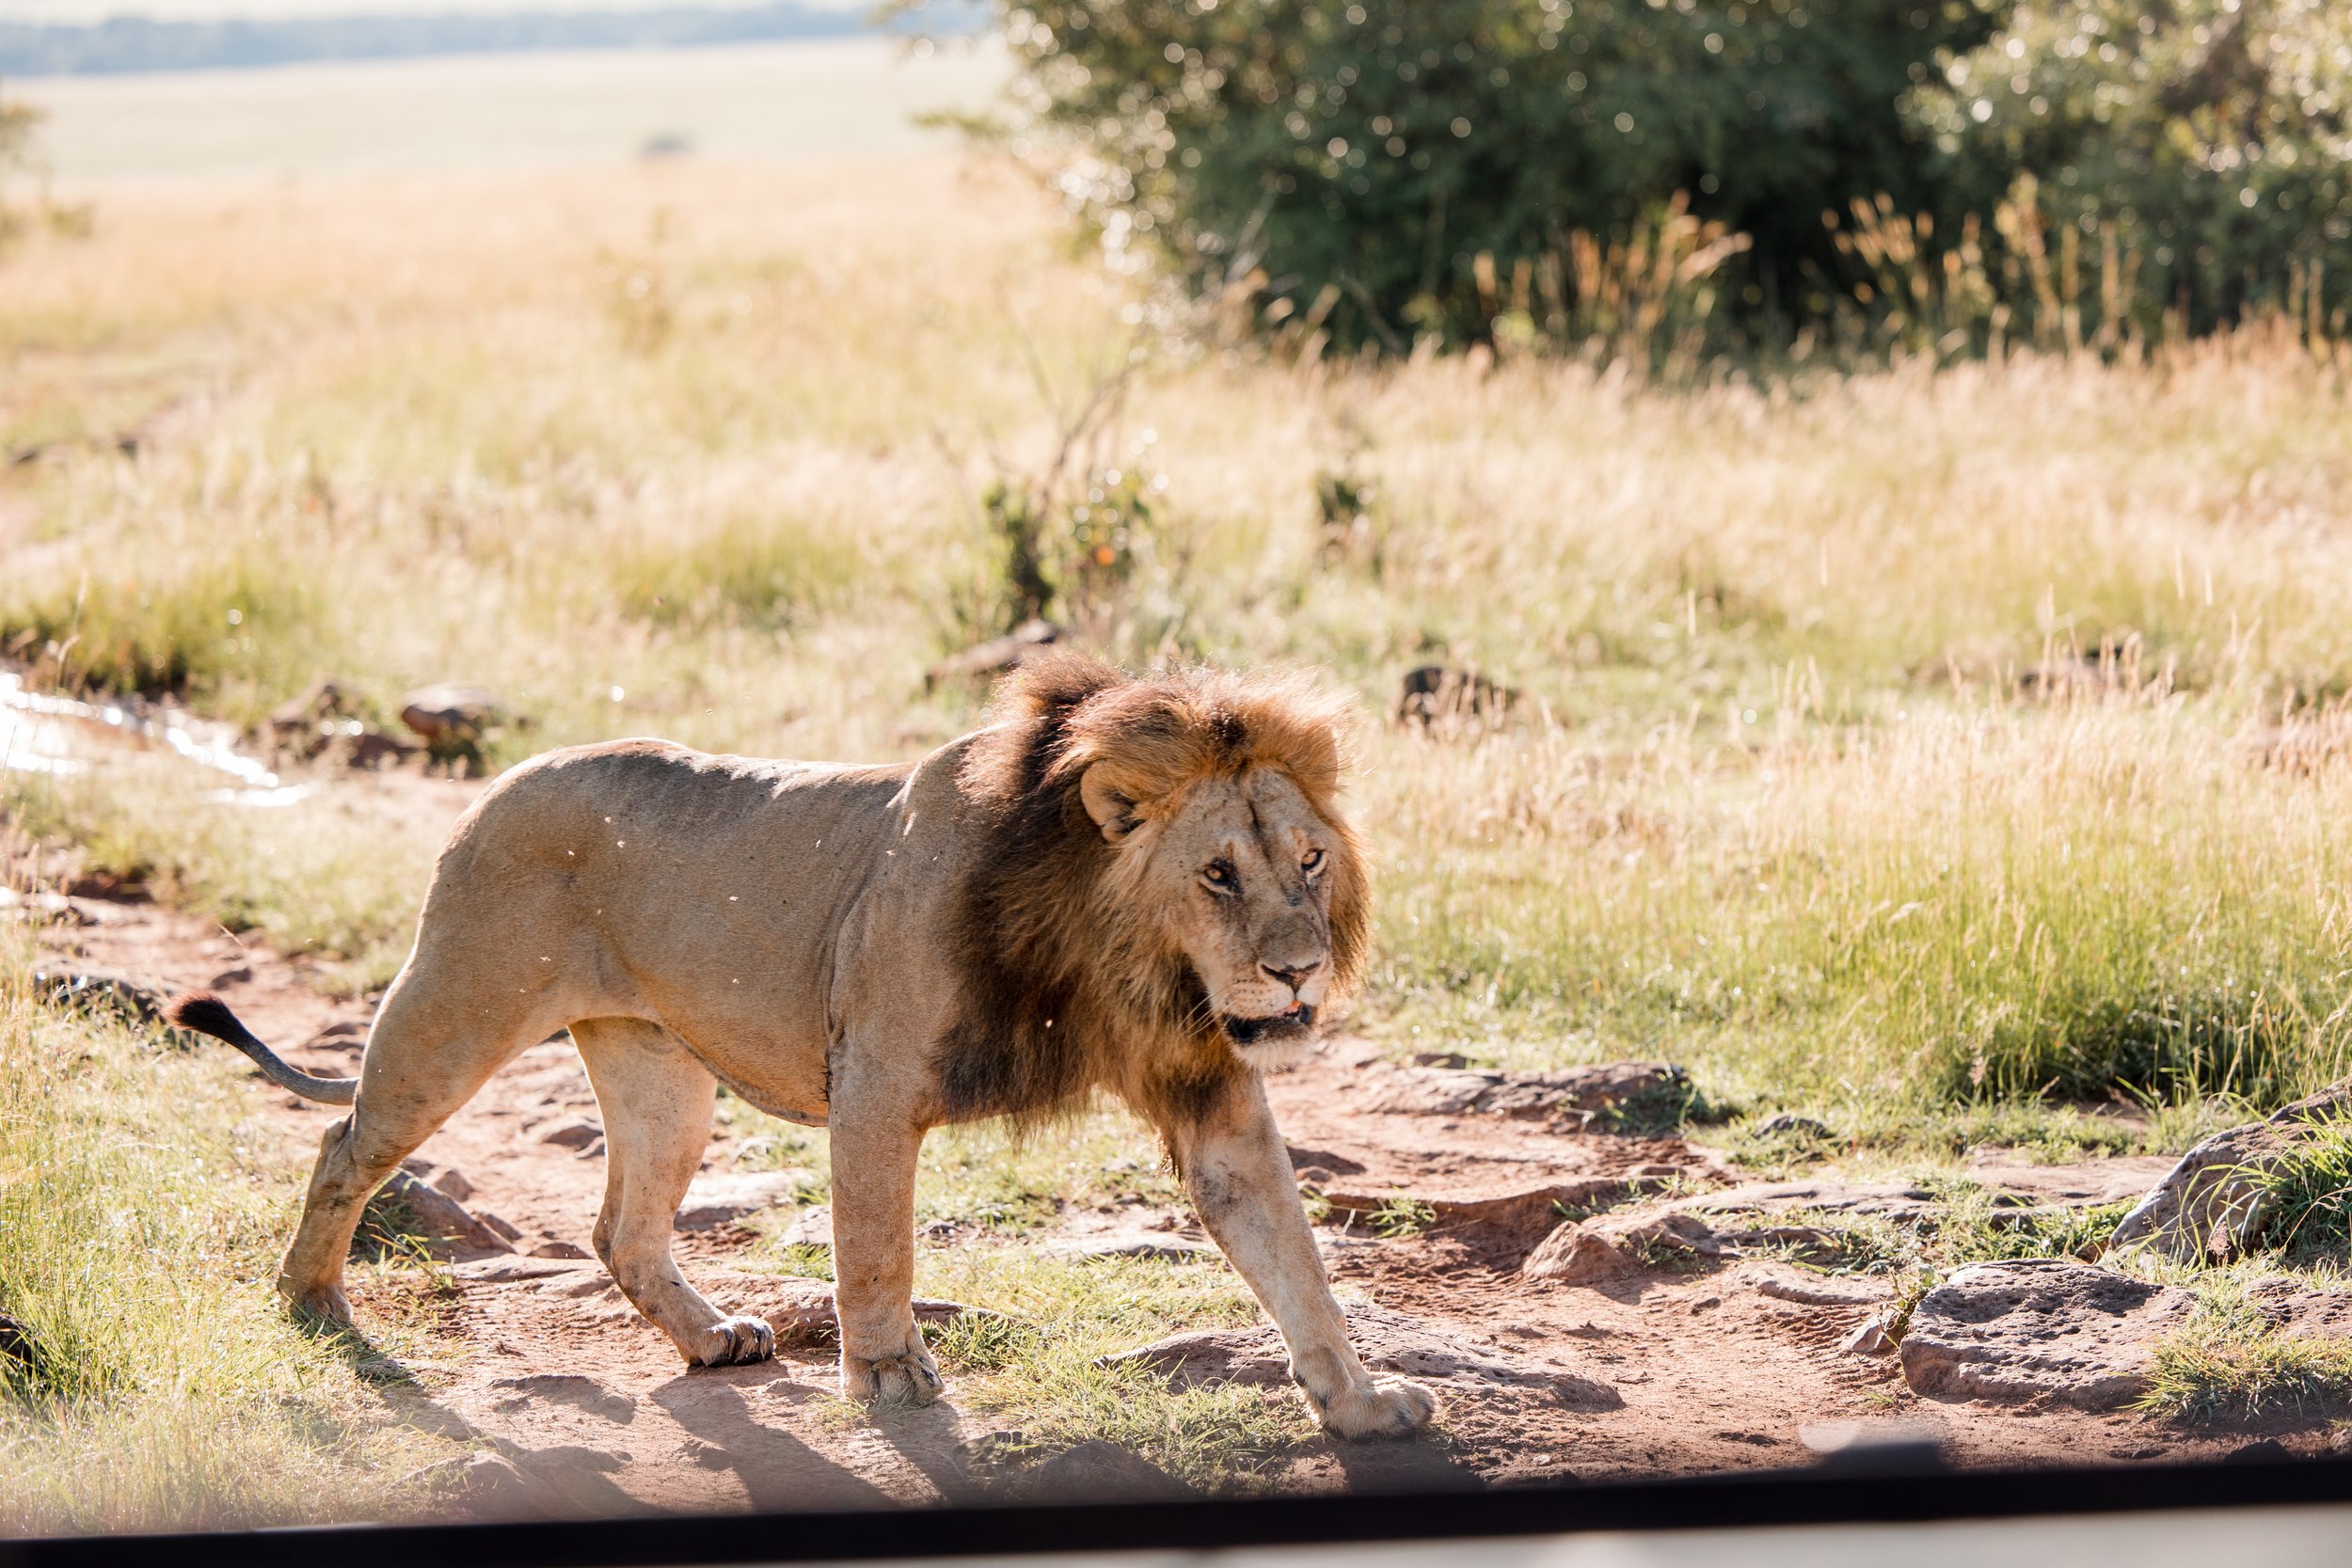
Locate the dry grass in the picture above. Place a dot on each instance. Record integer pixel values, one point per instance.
(701, 452)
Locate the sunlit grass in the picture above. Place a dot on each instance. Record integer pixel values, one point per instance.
(141, 1209)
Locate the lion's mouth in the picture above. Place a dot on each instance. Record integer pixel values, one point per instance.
(1294, 1022)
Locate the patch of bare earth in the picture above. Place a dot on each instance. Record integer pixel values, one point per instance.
(1436, 1185)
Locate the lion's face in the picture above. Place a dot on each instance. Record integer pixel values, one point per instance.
(1243, 871)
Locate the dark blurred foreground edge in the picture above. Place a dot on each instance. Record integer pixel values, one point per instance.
(1818, 1497)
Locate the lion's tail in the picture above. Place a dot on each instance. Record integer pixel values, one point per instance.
(208, 1014)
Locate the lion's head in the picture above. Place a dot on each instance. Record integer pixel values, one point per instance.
(1171, 875)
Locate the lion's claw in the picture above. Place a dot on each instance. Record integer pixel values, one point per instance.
(911, 1378)
(737, 1340)
(1387, 1407)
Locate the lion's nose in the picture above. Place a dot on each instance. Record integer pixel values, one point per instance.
(1294, 977)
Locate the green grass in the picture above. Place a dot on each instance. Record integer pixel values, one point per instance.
(2231, 1362)
(141, 1207)
(1034, 1369)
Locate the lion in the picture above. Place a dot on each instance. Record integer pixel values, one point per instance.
(1143, 887)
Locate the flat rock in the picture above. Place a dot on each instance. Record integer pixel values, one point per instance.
(1577, 1093)
(1616, 1247)
(2041, 1329)
(508, 1270)
(726, 1197)
(2210, 1206)
(2299, 1312)
(1386, 1341)
(1501, 1205)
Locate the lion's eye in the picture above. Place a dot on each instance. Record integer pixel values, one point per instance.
(1220, 876)
(1312, 861)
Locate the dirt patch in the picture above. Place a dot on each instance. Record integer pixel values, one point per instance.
(1704, 1363)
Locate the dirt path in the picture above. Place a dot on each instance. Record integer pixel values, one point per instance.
(1435, 1197)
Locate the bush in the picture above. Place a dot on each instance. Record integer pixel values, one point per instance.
(1944, 173)
(2184, 155)
(1388, 167)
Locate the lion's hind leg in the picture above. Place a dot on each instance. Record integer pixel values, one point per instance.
(656, 1102)
(428, 1054)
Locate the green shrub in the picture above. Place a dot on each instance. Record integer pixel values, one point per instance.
(1386, 168)
(2184, 156)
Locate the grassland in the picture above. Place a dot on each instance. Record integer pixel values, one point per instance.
(702, 453)
(1923, 750)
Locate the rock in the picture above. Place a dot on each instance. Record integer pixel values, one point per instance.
(16, 1342)
(801, 1310)
(995, 656)
(582, 1135)
(811, 1226)
(1789, 1125)
(1614, 1246)
(1129, 1243)
(1576, 1092)
(508, 1270)
(1871, 1339)
(1579, 1254)
(448, 1229)
(2211, 1206)
(1386, 1341)
(2069, 1332)
(729, 1197)
(455, 721)
(1099, 1472)
(1816, 1292)
(1433, 694)
(453, 1183)
(2295, 1311)
(566, 1250)
(1523, 1210)
(324, 722)
(86, 988)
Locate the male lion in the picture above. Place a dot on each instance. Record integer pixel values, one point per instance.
(1137, 885)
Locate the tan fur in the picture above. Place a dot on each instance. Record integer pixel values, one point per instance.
(1029, 914)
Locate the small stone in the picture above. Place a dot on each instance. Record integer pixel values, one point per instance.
(581, 1135)
(1871, 1339)
(559, 1249)
(453, 1183)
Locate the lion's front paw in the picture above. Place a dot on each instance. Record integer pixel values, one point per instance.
(1388, 1408)
(911, 1377)
(734, 1341)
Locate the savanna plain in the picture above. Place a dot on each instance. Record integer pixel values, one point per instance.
(1944, 768)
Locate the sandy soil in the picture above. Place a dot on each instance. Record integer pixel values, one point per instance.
(1666, 1371)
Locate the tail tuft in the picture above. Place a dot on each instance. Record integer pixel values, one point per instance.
(205, 1013)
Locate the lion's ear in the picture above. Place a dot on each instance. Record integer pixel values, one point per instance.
(1113, 812)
